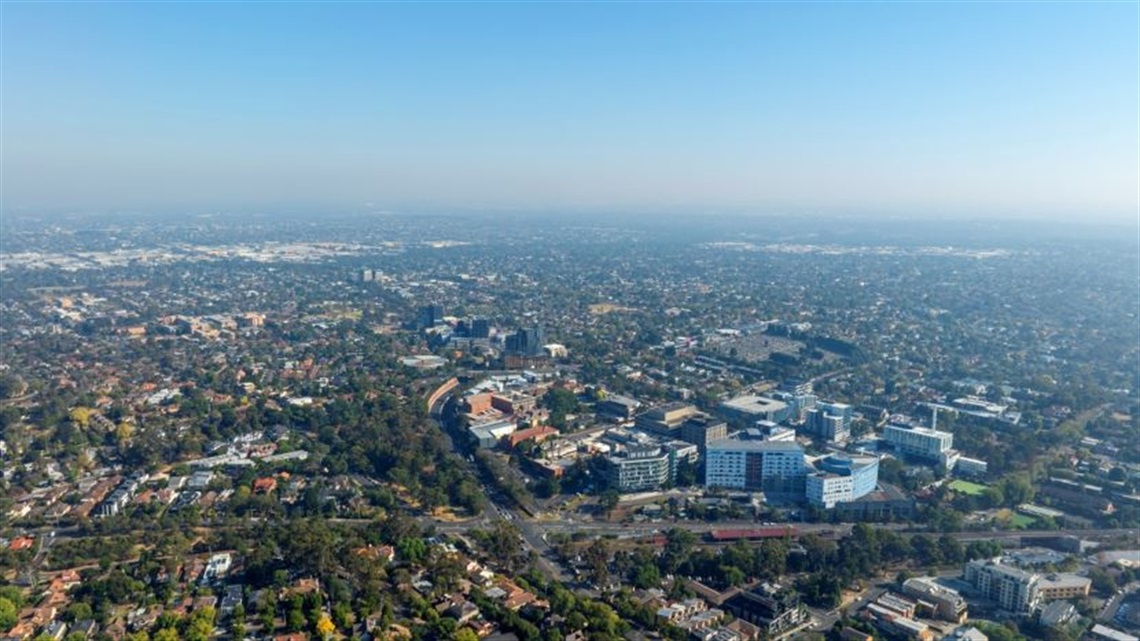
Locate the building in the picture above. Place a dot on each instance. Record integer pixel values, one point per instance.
(841, 479)
(831, 421)
(527, 341)
(966, 633)
(768, 431)
(480, 328)
(638, 468)
(702, 429)
(618, 408)
(1014, 590)
(513, 402)
(796, 386)
(1059, 587)
(775, 610)
(908, 629)
(1056, 614)
(744, 411)
(943, 603)
(769, 466)
(665, 420)
(429, 316)
(490, 433)
(1105, 633)
(537, 434)
(971, 467)
(920, 442)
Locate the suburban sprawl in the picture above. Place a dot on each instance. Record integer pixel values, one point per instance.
(379, 427)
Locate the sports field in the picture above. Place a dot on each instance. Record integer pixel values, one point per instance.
(966, 487)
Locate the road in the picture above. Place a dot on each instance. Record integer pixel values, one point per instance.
(1108, 612)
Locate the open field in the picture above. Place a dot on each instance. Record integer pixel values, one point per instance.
(966, 487)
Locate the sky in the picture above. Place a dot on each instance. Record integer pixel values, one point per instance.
(928, 109)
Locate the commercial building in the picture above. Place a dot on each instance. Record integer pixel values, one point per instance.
(841, 479)
(429, 316)
(665, 420)
(971, 467)
(744, 411)
(702, 429)
(617, 407)
(1014, 590)
(1059, 587)
(920, 442)
(527, 341)
(769, 466)
(490, 433)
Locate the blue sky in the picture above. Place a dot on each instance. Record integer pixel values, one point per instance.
(973, 109)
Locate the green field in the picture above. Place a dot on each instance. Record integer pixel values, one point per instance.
(966, 487)
(1021, 521)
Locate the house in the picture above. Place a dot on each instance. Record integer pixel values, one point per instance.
(21, 543)
(851, 634)
(54, 630)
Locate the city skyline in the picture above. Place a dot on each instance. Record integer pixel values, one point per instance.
(944, 109)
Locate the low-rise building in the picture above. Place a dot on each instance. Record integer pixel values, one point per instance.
(1059, 587)
(775, 610)
(745, 410)
(944, 603)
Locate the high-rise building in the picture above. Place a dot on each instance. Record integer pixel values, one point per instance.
(831, 421)
(702, 429)
(527, 341)
(769, 466)
(646, 467)
(480, 328)
(1013, 589)
(796, 386)
(430, 316)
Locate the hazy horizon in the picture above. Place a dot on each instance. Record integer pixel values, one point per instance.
(1012, 111)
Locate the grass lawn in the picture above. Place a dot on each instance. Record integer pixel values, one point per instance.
(966, 487)
(1021, 521)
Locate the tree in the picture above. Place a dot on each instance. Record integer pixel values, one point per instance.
(325, 627)
(166, 634)
(79, 611)
(608, 501)
(466, 634)
(8, 615)
(646, 576)
(560, 402)
(1102, 582)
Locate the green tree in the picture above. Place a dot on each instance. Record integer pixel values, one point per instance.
(79, 611)
(465, 634)
(8, 614)
(608, 501)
